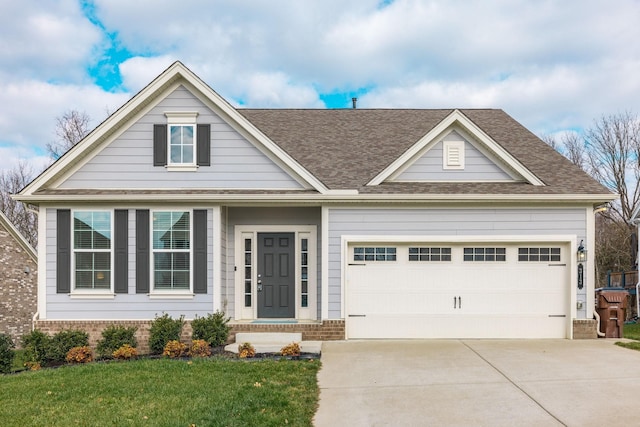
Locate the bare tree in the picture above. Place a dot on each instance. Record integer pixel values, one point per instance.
(11, 182)
(572, 145)
(71, 127)
(613, 148)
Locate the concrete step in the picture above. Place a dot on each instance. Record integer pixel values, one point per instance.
(254, 338)
(272, 342)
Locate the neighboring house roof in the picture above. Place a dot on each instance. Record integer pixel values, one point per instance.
(17, 236)
(345, 153)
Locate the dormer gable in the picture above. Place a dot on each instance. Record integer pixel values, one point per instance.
(456, 150)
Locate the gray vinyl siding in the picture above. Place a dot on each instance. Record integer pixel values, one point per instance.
(442, 222)
(477, 167)
(123, 306)
(128, 161)
(266, 216)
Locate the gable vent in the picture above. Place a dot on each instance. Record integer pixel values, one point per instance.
(453, 155)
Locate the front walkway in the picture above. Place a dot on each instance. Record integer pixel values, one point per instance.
(478, 383)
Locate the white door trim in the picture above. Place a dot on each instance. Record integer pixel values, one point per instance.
(301, 232)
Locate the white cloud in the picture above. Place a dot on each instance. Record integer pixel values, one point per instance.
(553, 65)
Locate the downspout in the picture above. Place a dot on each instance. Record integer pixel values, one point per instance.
(35, 317)
(597, 316)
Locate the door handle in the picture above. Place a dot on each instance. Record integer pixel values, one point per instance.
(259, 285)
(459, 302)
(454, 303)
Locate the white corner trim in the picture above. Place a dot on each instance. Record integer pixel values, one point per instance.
(217, 258)
(456, 117)
(42, 262)
(324, 305)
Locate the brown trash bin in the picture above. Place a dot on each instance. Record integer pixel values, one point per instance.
(611, 304)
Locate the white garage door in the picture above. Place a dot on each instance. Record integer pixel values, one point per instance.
(457, 291)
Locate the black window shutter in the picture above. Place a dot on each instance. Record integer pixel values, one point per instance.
(159, 145)
(121, 247)
(200, 251)
(142, 251)
(63, 249)
(203, 134)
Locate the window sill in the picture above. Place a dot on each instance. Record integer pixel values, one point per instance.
(171, 296)
(181, 168)
(88, 295)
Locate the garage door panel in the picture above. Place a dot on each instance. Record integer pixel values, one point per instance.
(457, 299)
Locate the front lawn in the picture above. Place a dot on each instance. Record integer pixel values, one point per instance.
(164, 392)
(631, 331)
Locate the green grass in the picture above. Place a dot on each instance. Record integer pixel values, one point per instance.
(631, 331)
(163, 392)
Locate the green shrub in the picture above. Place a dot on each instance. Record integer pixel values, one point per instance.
(35, 345)
(213, 328)
(164, 329)
(115, 337)
(60, 344)
(6, 353)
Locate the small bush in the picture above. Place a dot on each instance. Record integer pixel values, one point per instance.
(164, 329)
(115, 337)
(213, 328)
(60, 344)
(35, 345)
(199, 348)
(125, 352)
(79, 355)
(292, 349)
(174, 348)
(246, 350)
(6, 353)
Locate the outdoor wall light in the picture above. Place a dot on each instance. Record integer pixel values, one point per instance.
(582, 252)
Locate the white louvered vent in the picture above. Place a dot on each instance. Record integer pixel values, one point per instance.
(453, 154)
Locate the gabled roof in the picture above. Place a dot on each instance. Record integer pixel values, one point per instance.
(171, 78)
(343, 154)
(358, 148)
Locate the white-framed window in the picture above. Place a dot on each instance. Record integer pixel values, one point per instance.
(539, 254)
(374, 253)
(485, 254)
(92, 250)
(181, 138)
(171, 246)
(429, 254)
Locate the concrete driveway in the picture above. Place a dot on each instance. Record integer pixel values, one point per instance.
(478, 383)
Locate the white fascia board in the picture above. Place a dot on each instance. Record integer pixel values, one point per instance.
(232, 114)
(249, 198)
(104, 128)
(456, 117)
(456, 238)
(171, 75)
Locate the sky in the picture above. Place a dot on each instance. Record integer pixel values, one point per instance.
(553, 65)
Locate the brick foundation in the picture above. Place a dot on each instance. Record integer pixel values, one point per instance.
(584, 329)
(326, 331)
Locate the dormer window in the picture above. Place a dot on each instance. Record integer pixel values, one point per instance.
(181, 144)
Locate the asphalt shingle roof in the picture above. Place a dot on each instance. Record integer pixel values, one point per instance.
(346, 148)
